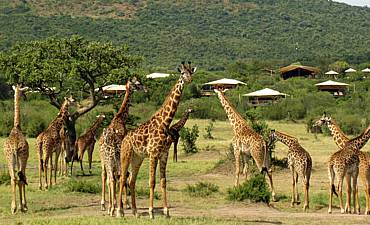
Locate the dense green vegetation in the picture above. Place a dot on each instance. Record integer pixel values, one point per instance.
(211, 33)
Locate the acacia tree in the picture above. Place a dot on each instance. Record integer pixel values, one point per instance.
(72, 66)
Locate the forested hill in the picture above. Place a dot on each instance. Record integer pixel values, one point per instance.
(209, 32)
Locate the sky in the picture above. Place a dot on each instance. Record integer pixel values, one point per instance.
(355, 2)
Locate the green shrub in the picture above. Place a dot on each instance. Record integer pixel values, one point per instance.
(188, 138)
(145, 192)
(255, 189)
(4, 178)
(209, 130)
(201, 189)
(75, 185)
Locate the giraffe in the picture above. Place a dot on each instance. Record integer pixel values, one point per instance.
(300, 164)
(246, 142)
(149, 140)
(87, 142)
(16, 151)
(341, 140)
(111, 152)
(49, 141)
(174, 132)
(118, 123)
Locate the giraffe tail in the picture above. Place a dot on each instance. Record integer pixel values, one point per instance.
(22, 177)
(333, 190)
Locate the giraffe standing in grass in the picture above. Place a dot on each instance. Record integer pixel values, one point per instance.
(16, 153)
(246, 142)
(118, 124)
(175, 132)
(149, 140)
(87, 142)
(300, 164)
(341, 140)
(111, 153)
(49, 142)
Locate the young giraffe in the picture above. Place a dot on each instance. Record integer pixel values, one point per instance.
(341, 140)
(118, 124)
(174, 132)
(246, 142)
(49, 141)
(16, 153)
(87, 142)
(111, 152)
(300, 164)
(149, 140)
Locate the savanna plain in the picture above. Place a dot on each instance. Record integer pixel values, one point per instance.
(64, 204)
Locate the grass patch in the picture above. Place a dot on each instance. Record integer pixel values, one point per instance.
(82, 186)
(145, 192)
(4, 178)
(201, 189)
(255, 189)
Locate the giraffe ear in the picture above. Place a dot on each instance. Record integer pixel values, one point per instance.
(178, 69)
(193, 69)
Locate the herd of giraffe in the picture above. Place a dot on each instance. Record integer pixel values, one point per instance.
(120, 149)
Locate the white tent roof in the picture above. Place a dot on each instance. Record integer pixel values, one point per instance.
(225, 81)
(367, 70)
(331, 72)
(350, 70)
(113, 88)
(265, 92)
(157, 75)
(330, 82)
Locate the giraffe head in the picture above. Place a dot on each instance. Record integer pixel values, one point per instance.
(186, 71)
(189, 110)
(272, 136)
(101, 117)
(324, 120)
(134, 84)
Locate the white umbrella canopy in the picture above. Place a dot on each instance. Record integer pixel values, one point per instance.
(331, 83)
(265, 92)
(157, 75)
(331, 72)
(225, 81)
(113, 88)
(367, 70)
(350, 70)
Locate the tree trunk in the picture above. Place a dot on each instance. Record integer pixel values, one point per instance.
(71, 139)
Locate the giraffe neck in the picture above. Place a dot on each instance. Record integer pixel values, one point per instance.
(340, 138)
(166, 113)
(361, 140)
(123, 110)
(181, 123)
(233, 116)
(96, 125)
(17, 114)
(286, 139)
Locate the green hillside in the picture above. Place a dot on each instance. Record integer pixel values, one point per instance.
(210, 33)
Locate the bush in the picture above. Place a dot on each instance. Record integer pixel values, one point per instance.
(74, 185)
(209, 130)
(188, 138)
(255, 189)
(201, 189)
(4, 178)
(145, 192)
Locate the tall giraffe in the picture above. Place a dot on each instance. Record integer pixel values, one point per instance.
(300, 164)
(341, 140)
(87, 142)
(16, 153)
(49, 141)
(246, 142)
(118, 124)
(345, 163)
(149, 140)
(174, 132)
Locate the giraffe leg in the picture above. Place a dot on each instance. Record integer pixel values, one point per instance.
(40, 172)
(331, 188)
(51, 170)
(57, 153)
(90, 153)
(13, 183)
(269, 174)
(356, 207)
(152, 169)
(367, 195)
(340, 190)
(347, 208)
(162, 168)
(81, 159)
(113, 187)
(103, 181)
(296, 189)
(46, 162)
(293, 186)
(126, 155)
(246, 166)
(23, 180)
(237, 164)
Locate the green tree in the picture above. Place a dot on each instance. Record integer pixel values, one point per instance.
(72, 66)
